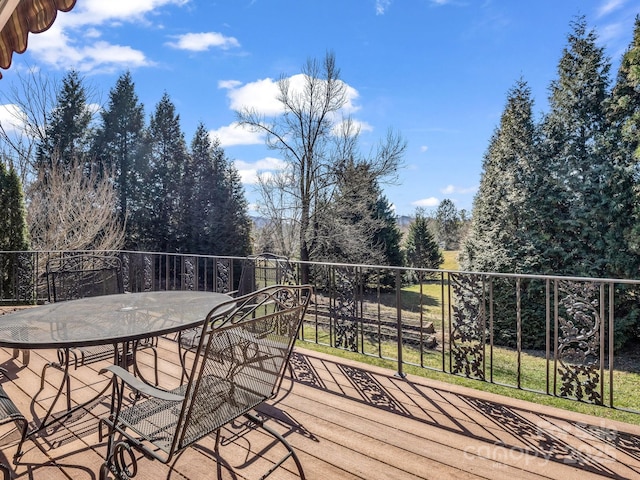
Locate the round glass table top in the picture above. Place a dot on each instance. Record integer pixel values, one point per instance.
(106, 319)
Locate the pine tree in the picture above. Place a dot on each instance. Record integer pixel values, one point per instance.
(215, 206)
(507, 218)
(624, 142)
(579, 169)
(117, 144)
(388, 234)
(14, 235)
(448, 224)
(158, 223)
(623, 150)
(68, 130)
(356, 224)
(503, 225)
(13, 224)
(422, 251)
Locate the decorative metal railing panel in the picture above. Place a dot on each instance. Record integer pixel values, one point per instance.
(344, 308)
(579, 331)
(468, 325)
(479, 325)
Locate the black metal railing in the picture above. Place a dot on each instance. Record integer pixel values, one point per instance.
(550, 334)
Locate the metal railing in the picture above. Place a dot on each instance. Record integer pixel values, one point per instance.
(549, 334)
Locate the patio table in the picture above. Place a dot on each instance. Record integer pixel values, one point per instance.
(110, 319)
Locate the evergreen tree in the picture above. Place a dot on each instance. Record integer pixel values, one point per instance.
(215, 206)
(357, 225)
(623, 150)
(422, 251)
(117, 144)
(448, 224)
(158, 223)
(13, 224)
(388, 234)
(504, 219)
(624, 143)
(579, 169)
(68, 129)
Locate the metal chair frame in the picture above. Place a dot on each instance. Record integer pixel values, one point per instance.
(243, 351)
(10, 413)
(263, 270)
(258, 271)
(81, 276)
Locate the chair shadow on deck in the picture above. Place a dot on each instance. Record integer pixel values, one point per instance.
(502, 429)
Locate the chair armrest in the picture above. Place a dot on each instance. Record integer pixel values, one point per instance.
(140, 386)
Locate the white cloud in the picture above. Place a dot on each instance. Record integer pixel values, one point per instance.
(234, 134)
(229, 83)
(424, 148)
(267, 163)
(200, 42)
(58, 46)
(611, 32)
(427, 202)
(450, 189)
(609, 6)
(98, 12)
(248, 176)
(12, 118)
(264, 168)
(262, 95)
(356, 126)
(381, 6)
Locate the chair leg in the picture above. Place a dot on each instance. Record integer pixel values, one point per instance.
(23, 437)
(4, 469)
(291, 452)
(26, 355)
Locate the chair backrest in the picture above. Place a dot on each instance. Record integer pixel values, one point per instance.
(241, 359)
(81, 276)
(264, 270)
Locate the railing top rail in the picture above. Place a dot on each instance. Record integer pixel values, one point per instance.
(352, 265)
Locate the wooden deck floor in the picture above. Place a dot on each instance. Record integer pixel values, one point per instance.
(346, 420)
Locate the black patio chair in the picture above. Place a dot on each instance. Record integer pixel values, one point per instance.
(81, 276)
(263, 270)
(245, 344)
(10, 413)
(258, 271)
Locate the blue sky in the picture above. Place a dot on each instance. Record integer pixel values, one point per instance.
(436, 71)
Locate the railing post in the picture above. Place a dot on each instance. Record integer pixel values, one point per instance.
(400, 373)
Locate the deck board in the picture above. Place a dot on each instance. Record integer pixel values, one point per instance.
(346, 420)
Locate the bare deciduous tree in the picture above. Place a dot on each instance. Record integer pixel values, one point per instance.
(70, 210)
(280, 234)
(314, 139)
(23, 123)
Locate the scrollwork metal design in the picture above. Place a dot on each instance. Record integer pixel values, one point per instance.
(122, 463)
(344, 309)
(468, 335)
(189, 275)
(126, 272)
(579, 341)
(147, 273)
(223, 276)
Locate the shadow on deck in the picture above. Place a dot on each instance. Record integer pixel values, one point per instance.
(346, 420)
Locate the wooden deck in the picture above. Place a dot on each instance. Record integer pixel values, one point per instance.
(346, 420)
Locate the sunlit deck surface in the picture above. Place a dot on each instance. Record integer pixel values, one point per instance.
(346, 420)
